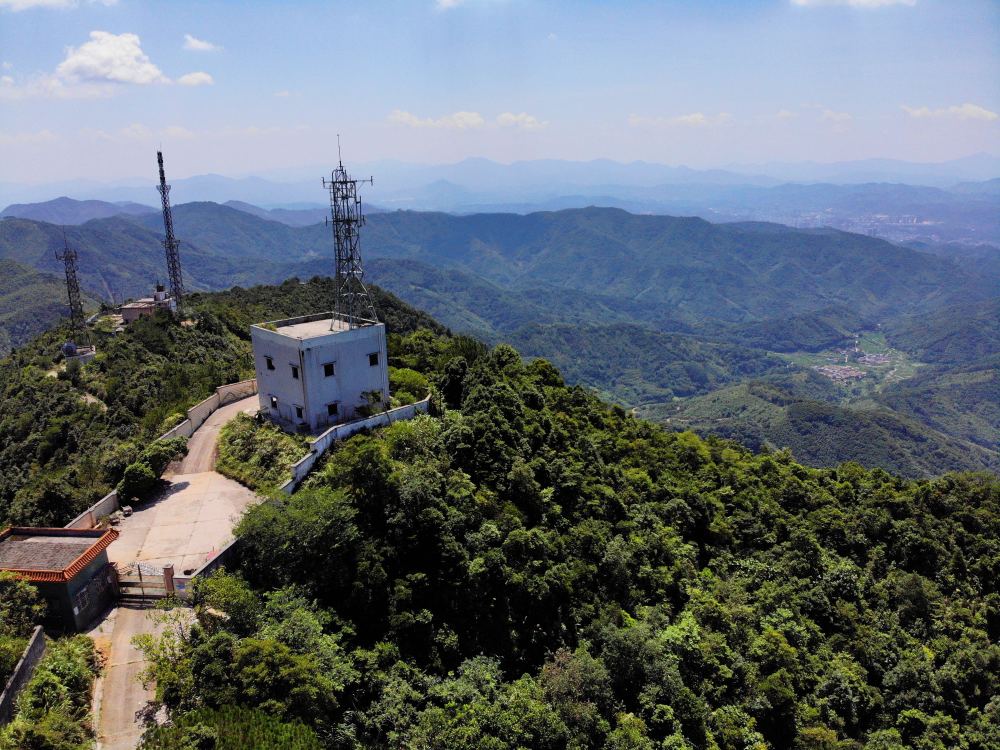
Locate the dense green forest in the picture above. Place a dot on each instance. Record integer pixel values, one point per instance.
(67, 435)
(530, 567)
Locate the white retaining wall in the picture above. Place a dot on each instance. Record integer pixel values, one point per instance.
(304, 465)
(103, 507)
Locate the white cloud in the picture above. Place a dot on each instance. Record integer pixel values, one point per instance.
(16, 139)
(200, 78)
(284, 93)
(831, 116)
(853, 3)
(522, 121)
(19, 5)
(177, 132)
(136, 132)
(455, 121)
(694, 119)
(6, 65)
(965, 111)
(199, 45)
(785, 114)
(553, 36)
(446, 4)
(110, 57)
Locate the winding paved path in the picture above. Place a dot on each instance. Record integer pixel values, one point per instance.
(187, 524)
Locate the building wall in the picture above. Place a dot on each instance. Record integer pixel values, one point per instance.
(73, 604)
(353, 374)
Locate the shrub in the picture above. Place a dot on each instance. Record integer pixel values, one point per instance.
(139, 481)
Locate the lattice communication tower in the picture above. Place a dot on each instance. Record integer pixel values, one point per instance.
(170, 243)
(68, 257)
(353, 303)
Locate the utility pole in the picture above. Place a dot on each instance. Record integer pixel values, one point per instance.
(346, 218)
(68, 258)
(170, 243)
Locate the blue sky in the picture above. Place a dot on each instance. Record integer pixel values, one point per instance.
(89, 88)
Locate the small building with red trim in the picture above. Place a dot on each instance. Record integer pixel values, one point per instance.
(68, 566)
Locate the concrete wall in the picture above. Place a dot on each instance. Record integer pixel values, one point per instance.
(201, 411)
(313, 390)
(103, 507)
(302, 467)
(226, 557)
(23, 671)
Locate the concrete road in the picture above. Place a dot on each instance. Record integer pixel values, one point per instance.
(187, 525)
(203, 445)
(118, 693)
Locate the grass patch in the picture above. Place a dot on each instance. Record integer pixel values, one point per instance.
(258, 454)
(230, 728)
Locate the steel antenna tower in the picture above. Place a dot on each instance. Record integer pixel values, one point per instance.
(170, 243)
(353, 301)
(68, 258)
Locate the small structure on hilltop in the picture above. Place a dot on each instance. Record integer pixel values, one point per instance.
(147, 306)
(320, 370)
(69, 567)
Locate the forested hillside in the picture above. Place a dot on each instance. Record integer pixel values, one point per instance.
(529, 567)
(644, 309)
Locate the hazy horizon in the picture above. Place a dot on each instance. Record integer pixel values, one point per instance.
(90, 88)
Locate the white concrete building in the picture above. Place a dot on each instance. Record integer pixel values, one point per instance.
(316, 371)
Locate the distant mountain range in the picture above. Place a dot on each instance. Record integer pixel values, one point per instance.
(654, 311)
(955, 211)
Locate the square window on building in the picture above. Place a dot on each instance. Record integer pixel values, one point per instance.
(298, 412)
(295, 372)
(373, 359)
(329, 370)
(269, 362)
(332, 410)
(274, 403)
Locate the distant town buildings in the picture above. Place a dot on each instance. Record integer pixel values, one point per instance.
(840, 373)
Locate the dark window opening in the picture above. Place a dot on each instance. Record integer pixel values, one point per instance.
(331, 410)
(373, 359)
(269, 362)
(329, 370)
(295, 371)
(274, 403)
(298, 412)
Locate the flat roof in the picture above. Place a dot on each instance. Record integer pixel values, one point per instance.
(44, 554)
(312, 326)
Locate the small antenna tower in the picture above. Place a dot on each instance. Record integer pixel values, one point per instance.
(68, 258)
(170, 243)
(353, 301)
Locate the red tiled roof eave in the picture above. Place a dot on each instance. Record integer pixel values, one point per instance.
(57, 576)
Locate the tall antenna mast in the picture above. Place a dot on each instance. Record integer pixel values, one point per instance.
(68, 258)
(170, 243)
(353, 302)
